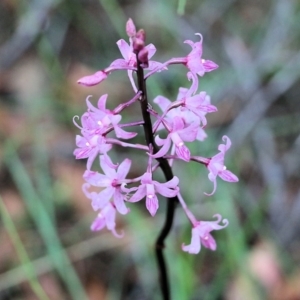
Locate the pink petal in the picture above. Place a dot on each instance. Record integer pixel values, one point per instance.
(201, 135)
(164, 149)
(181, 93)
(125, 49)
(139, 194)
(226, 175)
(214, 225)
(166, 189)
(189, 133)
(96, 179)
(212, 178)
(109, 212)
(183, 152)
(226, 146)
(162, 102)
(209, 242)
(152, 205)
(151, 50)
(195, 246)
(194, 87)
(155, 65)
(122, 134)
(119, 203)
(178, 124)
(119, 64)
(107, 168)
(172, 183)
(123, 169)
(98, 224)
(209, 65)
(102, 198)
(102, 103)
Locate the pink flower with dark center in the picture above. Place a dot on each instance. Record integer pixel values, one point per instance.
(106, 218)
(111, 181)
(201, 235)
(149, 188)
(216, 166)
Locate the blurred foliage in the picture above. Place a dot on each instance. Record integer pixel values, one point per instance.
(47, 250)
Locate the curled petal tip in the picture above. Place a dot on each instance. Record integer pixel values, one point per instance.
(118, 235)
(201, 37)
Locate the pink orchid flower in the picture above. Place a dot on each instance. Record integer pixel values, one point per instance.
(98, 120)
(201, 235)
(216, 166)
(111, 181)
(89, 146)
(187, 116)
(194, 61)
(106, 217)
(149, 188)
(178, 133)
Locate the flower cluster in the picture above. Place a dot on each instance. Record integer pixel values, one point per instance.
(183, 119)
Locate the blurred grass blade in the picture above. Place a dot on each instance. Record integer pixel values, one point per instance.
(116, 15)
(43, 222)
(181, 7)
(21, 252)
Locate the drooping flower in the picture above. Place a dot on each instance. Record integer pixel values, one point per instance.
(106, 217)
(148, 188)
(111, 181)
(194, 61)
(201, 235)
(216, 166)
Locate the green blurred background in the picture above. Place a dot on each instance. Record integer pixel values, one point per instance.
(47, 250)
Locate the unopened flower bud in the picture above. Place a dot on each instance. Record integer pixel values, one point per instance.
(94, 79)
(137, 45)
(143, 58)
(130, 28)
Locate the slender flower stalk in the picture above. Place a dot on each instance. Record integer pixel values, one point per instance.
(183, 120)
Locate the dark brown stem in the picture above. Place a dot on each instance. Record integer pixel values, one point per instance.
(171, 203)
